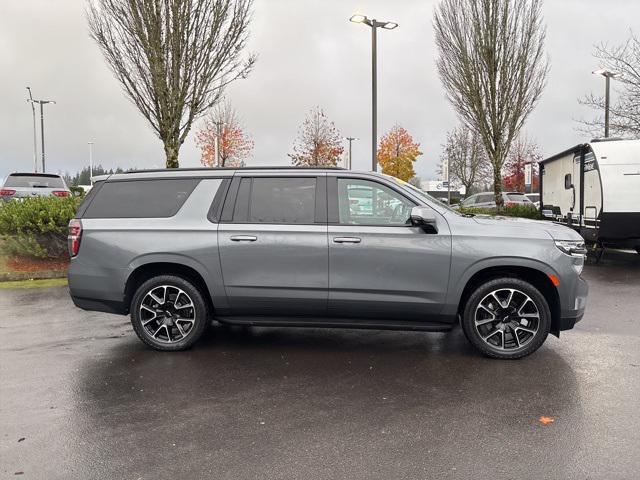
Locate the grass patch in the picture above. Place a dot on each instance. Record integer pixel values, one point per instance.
(49, 282)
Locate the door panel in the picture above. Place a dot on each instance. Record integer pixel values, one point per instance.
(389, 270)
(274, 269)
(392, 272)
(273, 246)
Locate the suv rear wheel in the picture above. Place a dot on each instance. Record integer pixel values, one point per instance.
(506, 318)
(168, 313)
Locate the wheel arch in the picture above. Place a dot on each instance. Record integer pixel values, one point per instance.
(537, 278)
(144, 272)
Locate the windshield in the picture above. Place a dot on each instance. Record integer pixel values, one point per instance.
(34, 181)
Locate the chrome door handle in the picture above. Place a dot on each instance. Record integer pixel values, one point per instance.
(346, 240)
(244, 238)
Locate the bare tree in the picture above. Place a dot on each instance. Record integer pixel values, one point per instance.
(625, 111)
(493, 67)
(468, 162)
(173, 57)
(319, 142)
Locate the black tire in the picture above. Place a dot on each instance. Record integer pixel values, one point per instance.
(197, 314)
(530, 341)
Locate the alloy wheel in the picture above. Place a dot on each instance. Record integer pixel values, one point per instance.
(167, 314)
(507, 319)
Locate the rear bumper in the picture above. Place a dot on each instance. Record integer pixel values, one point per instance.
(94, 305)
(573, 315)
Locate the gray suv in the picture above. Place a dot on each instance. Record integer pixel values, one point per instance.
(317, 247)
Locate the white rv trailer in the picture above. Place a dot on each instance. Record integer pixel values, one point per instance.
(595, 188)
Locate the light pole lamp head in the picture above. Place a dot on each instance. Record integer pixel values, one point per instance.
(357, 18)
(388, 25)
(605, 72)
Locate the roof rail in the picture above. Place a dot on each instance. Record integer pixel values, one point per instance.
(204, 169)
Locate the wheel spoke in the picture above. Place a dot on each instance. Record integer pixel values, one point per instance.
(515, 336)
(509, 298)
(487, 337)
(180, 329)
(528, 330)
(484, 322)
(487, 310)
(157, 331)
(158, 300)
(493, 294)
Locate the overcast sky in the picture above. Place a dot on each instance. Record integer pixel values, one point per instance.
(309, 54)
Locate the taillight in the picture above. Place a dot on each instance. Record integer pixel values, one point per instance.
(61, 193)
(7, 192)
(75, 233)
(511, 204)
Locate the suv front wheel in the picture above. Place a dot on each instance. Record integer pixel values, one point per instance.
(168, 313)
(506, 318)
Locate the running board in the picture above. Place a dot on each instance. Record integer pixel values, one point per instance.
(258, 321)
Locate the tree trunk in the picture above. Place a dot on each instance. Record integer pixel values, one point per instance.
(171, 153)
(497, 185)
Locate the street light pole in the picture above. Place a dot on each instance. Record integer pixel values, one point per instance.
(41, 103)
(35, 142)
(350, 140)
(217, 142)
(374, 24)
(607, 82)
(608, 75)
(90, 162)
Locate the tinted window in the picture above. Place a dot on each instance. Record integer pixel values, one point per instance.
(363, 202)
(34, 181)
(140, 198)
(282, 200)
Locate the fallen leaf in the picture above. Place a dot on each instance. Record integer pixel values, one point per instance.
(544, 420)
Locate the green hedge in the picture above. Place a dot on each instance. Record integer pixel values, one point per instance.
(522, 211)
(37, 227)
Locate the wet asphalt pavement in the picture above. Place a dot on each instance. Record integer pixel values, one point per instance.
(81, 397)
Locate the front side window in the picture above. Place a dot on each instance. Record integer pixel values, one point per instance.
(287, 200)
(363, 202)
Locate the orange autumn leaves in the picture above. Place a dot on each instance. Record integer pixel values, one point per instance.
(234, 144)
(397, 153)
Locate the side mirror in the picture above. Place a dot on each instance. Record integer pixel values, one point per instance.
(424, 218)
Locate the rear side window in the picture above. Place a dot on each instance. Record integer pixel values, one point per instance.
(281, 200)
(34, 181)
(140, 198)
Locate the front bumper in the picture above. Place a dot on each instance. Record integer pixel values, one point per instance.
(573, 315)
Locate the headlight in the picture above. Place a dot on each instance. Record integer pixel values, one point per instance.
(572, 247)
(576, 250)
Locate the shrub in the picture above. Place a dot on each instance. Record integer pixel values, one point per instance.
(522, 211)
(37, 227)
(77, 191)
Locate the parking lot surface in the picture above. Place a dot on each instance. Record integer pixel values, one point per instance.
(81, 397)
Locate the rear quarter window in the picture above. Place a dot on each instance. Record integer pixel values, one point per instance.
(158, 198)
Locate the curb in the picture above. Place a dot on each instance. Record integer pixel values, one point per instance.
(44, 275)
